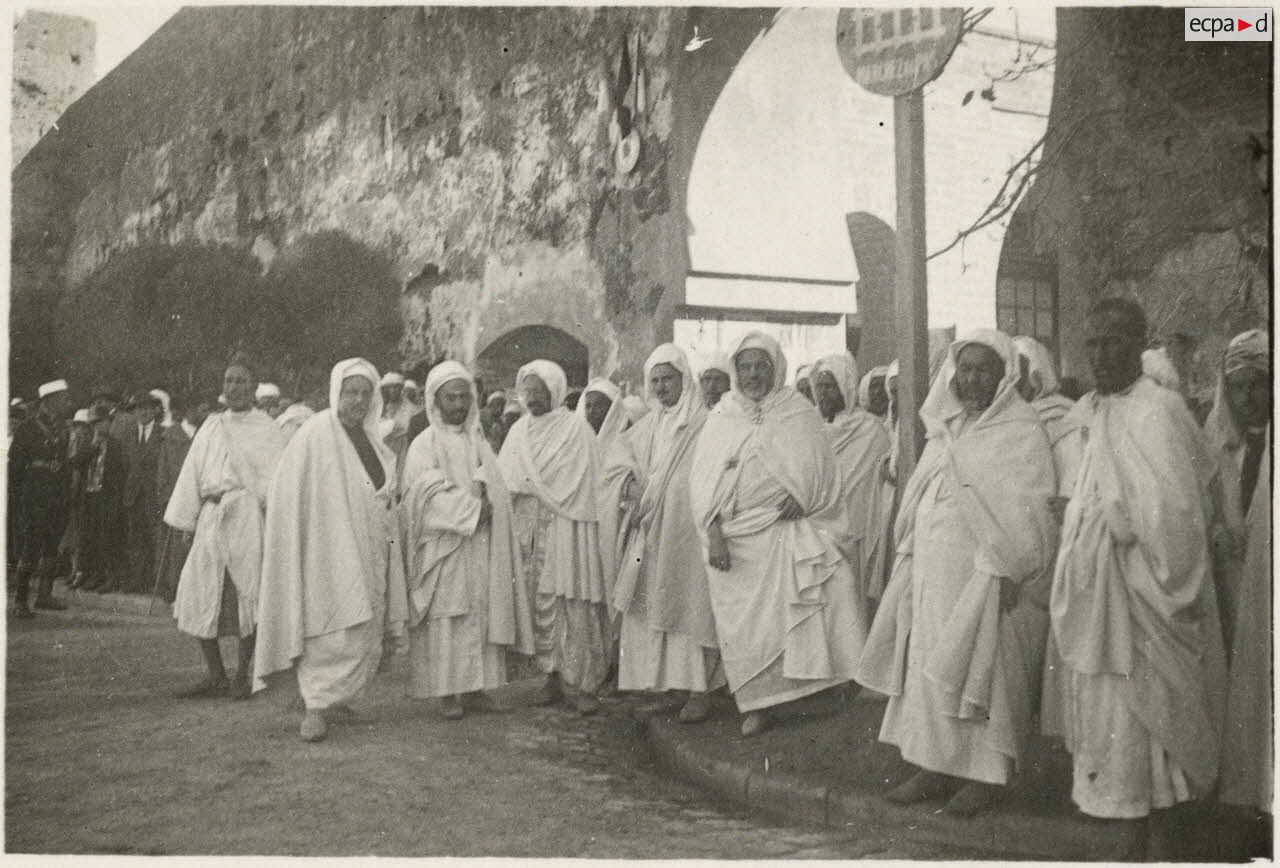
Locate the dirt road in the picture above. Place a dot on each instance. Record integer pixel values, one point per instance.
(101, 759)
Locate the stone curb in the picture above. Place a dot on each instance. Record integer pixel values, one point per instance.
(792, 798)
(130, 604)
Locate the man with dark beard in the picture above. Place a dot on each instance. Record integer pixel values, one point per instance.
(958, 640)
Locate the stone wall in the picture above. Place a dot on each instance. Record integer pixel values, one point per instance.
(53, 63)
(469, 146)
(1155, 183)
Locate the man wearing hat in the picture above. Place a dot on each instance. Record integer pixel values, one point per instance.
(142, 514)
(78, 448)
(41, 475)
(102, 529)
(104, 402)
(16, 417)
(267, 397)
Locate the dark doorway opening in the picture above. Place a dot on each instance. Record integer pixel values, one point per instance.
(500, 361)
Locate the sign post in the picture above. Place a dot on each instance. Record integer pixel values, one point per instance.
(895, 52)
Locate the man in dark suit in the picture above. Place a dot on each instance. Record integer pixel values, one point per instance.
(141, 452)
(40, 471)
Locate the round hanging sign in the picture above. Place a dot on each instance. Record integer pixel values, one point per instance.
(892, 52)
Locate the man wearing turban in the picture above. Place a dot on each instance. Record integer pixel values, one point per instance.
(468, 602)
(551, 465)
(765, 490)
(668, 636)
(958, 641)
(332, 573)
(1238, 431)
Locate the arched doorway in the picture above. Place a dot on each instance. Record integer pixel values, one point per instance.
(498, 363)
(1027, 285)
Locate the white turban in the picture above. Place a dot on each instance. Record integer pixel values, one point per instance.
(844, 369)
(447, 372)
(1039, 365)
(551, 375)
(358, 367)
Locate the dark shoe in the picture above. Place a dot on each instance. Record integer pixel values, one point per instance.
(22, 611)
(696, 710)
(241, 688)
(754, 723)
(973, 798)
(921, 787)
(313, 726)
(551, 693)
(585, 704)
(207, 689)
(480, 702)
(664, 704)
(451, 708)
(52, 604)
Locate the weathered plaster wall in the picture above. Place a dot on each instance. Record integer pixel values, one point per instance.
(53, 63)
(1156, 178)
(470, 144)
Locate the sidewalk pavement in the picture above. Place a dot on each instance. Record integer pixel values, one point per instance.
(822, 763)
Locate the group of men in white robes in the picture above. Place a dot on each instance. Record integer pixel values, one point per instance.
(1089, 565)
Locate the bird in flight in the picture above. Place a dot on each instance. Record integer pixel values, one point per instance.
(697, 41)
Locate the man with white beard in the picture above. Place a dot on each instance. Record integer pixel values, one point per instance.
(765, 490)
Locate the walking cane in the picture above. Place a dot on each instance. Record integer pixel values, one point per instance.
(164, 559)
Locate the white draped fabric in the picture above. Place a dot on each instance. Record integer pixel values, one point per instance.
(1248, 744)
(615, 421)
(333, 573)
(1135, 615)
(550, 464)
(668, 638)
(468, 602)
(220, 496)
(1245, 589)
(786, 611)
(960, 670)
(862, 448)
(292, 418)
